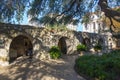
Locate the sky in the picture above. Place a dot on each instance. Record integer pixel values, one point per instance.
(25, 20)
(79, 28)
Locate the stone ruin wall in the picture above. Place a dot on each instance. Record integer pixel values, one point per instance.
(42, 40)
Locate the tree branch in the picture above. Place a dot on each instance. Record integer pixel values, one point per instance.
(67, 10)
(108, 11)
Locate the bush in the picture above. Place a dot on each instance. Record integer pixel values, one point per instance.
(81, 47)
(55, 52)
(105, 67)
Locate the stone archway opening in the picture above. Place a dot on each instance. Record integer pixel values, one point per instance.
(62, 45)
(101, 41)
(19, 47)
(86, 41)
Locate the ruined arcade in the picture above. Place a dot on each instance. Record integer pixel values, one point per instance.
(16, 39)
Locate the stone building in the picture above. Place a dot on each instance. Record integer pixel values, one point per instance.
(99, 24)
(96, 23)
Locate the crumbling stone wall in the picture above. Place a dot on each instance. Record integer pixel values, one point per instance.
(42, 40)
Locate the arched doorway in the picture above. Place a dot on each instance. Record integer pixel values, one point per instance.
(86, 41)
(101, 41)
(19, 47)
(62, 45)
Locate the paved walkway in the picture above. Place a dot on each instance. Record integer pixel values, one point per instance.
(23, 69)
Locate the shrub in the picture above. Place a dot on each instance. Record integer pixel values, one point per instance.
(81, 47)
(105, 67)
(55, 52)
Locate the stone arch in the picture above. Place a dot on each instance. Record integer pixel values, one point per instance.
(19, 46)
(100, 41)
(86, 41)
(62, 45)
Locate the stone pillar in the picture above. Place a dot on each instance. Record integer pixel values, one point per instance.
(4, 50)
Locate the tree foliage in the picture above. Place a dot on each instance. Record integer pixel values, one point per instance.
(62, 10)
(11, 10)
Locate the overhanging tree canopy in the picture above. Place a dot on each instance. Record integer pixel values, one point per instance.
(63, 10)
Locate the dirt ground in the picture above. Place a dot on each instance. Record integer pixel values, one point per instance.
(26, 69)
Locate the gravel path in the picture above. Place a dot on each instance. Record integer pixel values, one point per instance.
(24, 69)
